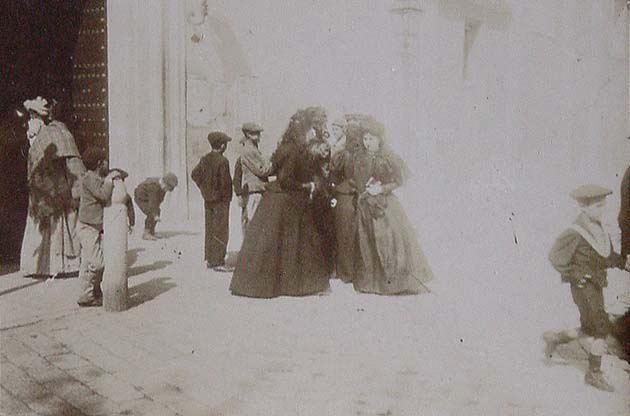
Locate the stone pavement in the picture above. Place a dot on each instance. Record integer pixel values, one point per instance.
(187, 347)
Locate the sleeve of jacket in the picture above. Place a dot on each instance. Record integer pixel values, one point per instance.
(256, 163)
(198, 174)
(100, 189)
(562, 253)
(131, 212)
(143, 198)
(226, 180)
(238, 177)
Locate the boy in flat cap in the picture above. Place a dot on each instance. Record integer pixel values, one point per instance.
(581, 255)
(212, 176)
(149, 196)
(250, 173)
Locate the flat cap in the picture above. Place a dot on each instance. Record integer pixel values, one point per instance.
(170, 180)
(590, 193)
(252, 127)
(217, 138)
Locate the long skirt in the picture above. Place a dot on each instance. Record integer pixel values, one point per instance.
(50, 246)
(282, 252)
(346, 237)
(392, 261)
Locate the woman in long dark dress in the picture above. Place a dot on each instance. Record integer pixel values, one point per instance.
(345, 194)
(282, 252)
(391, 260)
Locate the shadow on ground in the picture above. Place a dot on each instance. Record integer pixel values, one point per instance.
(132, 256)
(149, 290)
(170, 234)
(137, 270)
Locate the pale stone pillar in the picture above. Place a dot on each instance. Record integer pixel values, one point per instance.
(146, 68)
(115, 226)
(176, 205)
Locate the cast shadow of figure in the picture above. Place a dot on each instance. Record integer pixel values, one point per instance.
(171, 234)
(137, 270)
(132, 256)
(149, 290)
(572, 353)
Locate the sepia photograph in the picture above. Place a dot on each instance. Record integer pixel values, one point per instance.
(314, 208)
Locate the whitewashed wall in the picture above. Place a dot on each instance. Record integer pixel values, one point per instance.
(541, 107)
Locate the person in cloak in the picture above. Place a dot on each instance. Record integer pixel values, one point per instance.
(582, 254)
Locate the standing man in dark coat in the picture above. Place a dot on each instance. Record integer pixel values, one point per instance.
(212, 176)
(149, 196)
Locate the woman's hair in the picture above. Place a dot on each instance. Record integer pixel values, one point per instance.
(93, 157)
(299, 124)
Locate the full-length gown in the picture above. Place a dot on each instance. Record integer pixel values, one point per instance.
(282, 252)
(345, 216)
(391, 259)
(50, 245)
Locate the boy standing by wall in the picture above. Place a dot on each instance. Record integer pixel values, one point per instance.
(96, 191)
(148, 196)
(581, 255)
(212, 176)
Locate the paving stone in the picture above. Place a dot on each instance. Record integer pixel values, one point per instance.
(14, 348)
(11, 405)
(43, 344)
(67, 361)
(145, 407)
(42, 371)
(115, 389)
(39, 397)
(86, 373)
(140, 357)
(101, 357)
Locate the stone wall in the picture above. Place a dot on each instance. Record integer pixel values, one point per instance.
(500, 107)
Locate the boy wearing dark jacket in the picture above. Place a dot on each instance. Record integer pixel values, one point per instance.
(149, 196)
(212, 176)
(582, 255)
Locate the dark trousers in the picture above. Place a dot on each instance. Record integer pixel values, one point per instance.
(217, 232)
(594, 320)
(149, 224)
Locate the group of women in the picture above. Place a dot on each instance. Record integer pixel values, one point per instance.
(331, 212)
